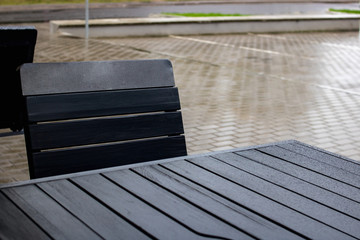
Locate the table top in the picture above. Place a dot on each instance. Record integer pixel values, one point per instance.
(284, 190)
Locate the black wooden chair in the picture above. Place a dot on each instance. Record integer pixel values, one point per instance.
(16, 47)
(89, 115)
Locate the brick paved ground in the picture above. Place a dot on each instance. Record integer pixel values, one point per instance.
(236, 90)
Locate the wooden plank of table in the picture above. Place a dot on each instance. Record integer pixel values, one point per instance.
(337, 187)
(146, 217)
(92, 213)
(283, 196)
(308, 190)
(233, 214)
(313, 165)
(184, 212)
(14, 224)
(55, 220)
(261, 204)
(326, 157)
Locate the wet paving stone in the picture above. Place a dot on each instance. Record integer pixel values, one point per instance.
(236, 90)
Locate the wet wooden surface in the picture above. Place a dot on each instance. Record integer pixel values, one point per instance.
(285, 190)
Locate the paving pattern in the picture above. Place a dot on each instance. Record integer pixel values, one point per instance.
(236, 90)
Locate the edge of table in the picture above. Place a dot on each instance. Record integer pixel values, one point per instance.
(188, 157)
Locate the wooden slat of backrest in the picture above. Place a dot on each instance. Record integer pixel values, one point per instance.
(56, 162)
(94, 104)
(93, 131)
(71, 77)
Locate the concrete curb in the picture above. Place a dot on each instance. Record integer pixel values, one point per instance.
(127, 27)
(46, 7)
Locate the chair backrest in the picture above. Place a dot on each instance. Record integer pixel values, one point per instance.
(16, 47)
(89, 115)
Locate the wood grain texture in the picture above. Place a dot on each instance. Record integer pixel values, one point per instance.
(13, 220)
(92, 213)
(151, 220)
(258, 203)
(301, 187)
(278, 193)
(325, 157)
(314, 165)
(307, 175)
(237, 194)
(227, 211)
(55, 220)
(189, 215)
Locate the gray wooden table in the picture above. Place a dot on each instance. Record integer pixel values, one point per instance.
(285, 190)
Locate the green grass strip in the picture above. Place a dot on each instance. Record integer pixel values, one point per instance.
(204, 14)
(351, 11)
(25, 2)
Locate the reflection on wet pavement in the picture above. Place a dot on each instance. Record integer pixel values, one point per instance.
(237, 90)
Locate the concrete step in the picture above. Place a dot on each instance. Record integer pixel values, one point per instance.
(163, 26)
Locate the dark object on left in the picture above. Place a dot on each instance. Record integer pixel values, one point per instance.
(17, 46)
